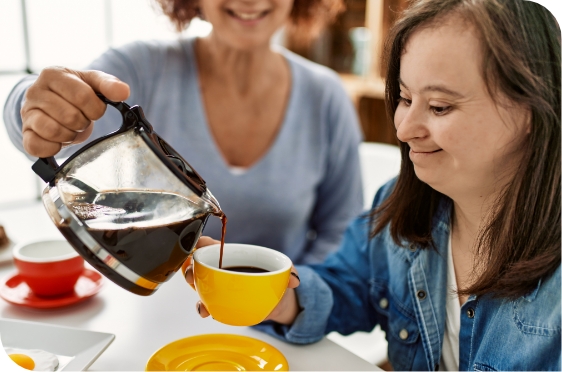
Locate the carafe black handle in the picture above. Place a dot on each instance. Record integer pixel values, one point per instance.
(47, 168)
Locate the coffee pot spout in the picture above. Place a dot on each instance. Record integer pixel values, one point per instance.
(213, 204)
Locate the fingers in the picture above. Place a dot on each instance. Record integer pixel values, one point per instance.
(294, 279)
(59, 110)
(82, 136)
(205, 241)
(66, 84)
(34, 145)
(202, 310)
(188, 274)
(108, 85)
(62, 104)
(186, 264)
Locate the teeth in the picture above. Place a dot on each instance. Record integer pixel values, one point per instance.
(247, 16)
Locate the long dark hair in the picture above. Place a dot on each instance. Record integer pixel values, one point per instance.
(520, 242)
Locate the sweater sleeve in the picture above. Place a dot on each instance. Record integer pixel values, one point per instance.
(340, 194)
(12, 108)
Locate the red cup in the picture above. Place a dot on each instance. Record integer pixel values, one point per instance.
(48, 267)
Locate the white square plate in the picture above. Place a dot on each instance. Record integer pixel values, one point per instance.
(76, 349)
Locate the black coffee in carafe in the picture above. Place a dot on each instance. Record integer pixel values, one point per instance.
(130, 204)
(144, 230)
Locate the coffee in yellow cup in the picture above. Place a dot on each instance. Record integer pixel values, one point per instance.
(250, 284)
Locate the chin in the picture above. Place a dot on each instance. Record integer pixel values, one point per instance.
(428, 176)
(247, 42)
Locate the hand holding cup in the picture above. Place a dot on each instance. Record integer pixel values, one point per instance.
(242, 298)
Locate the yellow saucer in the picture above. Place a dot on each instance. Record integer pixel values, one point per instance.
(217, 352)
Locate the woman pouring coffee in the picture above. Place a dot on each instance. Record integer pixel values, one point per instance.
(273, 135)
(459, 260)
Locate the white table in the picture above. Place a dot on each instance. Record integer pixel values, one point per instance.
(144, 324)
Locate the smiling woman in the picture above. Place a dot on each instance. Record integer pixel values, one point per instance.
(307, 17)
(459, 260)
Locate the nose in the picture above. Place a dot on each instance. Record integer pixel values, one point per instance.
(409, 123)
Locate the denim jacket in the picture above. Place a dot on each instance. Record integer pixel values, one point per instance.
(375, 281)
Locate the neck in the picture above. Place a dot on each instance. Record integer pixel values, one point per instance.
(243, 70)
(471, 213)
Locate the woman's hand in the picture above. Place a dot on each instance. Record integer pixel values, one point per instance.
(285, 312)
(61, 106)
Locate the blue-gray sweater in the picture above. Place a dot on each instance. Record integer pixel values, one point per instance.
(297, 199)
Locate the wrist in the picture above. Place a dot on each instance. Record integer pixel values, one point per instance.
(288, 308)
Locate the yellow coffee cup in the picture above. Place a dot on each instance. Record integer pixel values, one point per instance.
(237, 297)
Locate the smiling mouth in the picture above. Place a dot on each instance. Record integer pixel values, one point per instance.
(426, 152)
(247, 16)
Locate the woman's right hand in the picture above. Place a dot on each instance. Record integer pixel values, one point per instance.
(61, 106)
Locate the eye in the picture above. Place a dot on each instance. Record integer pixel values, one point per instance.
(441, 110)
(406, 101)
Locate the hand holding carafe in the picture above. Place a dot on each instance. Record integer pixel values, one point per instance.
(61, 106)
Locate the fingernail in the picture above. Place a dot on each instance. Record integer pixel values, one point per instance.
(199, 308)
(295, 275)
(186, 271)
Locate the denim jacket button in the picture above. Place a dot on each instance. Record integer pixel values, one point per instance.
(470, 312)
(403, 334)
(412, 247)
(421, 294)
(383, 303)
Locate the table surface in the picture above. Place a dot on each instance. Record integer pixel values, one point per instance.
(142, 325)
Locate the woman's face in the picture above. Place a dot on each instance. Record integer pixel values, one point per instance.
(246, 24)
(461, 142)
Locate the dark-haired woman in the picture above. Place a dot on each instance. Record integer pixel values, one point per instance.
(459, 261)
(274, 136)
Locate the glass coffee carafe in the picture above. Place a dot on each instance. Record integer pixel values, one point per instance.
(128, 203)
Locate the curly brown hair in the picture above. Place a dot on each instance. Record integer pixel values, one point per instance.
(307, 19)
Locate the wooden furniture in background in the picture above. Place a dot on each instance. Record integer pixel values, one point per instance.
(334, 49)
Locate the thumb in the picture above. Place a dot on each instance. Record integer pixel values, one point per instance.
(108, 85)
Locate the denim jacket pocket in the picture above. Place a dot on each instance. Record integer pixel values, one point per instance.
(403, 334)
(379, 297)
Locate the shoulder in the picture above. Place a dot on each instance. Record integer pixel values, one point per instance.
(384, 192)
(154, 49)
(144, 56)
(539, 311)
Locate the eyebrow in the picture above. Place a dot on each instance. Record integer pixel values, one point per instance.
(435, 88)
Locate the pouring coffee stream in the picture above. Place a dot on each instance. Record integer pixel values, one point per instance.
(129, 203)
